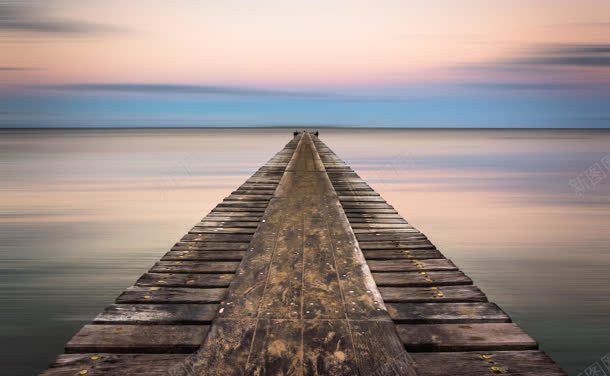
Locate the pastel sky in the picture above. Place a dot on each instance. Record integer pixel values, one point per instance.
(450, 63)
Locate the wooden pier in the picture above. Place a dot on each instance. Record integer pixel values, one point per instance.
(303, 270)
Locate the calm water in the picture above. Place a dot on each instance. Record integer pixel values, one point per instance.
(84, 213)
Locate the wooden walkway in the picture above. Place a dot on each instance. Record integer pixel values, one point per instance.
(303, 270)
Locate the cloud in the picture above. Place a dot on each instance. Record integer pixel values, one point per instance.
(579, 55)
(522, 85)
(25, 17)
(535, 86)
(582, 24)
(161, 88)
(16, 69)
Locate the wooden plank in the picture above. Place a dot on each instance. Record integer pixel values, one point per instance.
(115, 364)
(185, 280)
(366, 245)
(388, 227)
(421, 279)
(194, 267)
(445, 294)
(327, 348)
(410, 264)
(367, 198)
(372, 216)
(155, 294)
(465, 337)
(366, 205)
(138, 339)
(226, 349)
(221, 230)
(203, 256)
(282, 296)
(228, 223)
(457, 313)
(355, 221)
(377, 349)
(238, 215)
(399, 254)
(425, 265)
(253, 192)
(221, 238)
(370, 210)
(321, 287)
(475, 363)
(210, 246)
(254, 186)
(167, 314)
(235, 209)
(276, 348)
(408, 237)
(246, 197)
(242, 204)
(349, 192)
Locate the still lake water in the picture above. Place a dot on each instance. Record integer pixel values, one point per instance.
(84, 213)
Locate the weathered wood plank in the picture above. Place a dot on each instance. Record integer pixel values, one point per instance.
(327, 348)
(388, 277)
(457, 313)
(399, 254)
(425, 265)
(246, 197)
(194, 267)
(410, 264)
(228, 223)
(203, 256)
(115, 364)
(185, 280)
(221, 230)
(235, 209)
(242, 204)
(138, 339)
(356, 221)
(465, 337)
(377, 349)
(210, 246)
(372, 245)
(380, 225)
(370, 210)
(475, 363)
(167, 314)
(445, 294)
(221, 238)
(155, 294)
(226, 349)
(276, 348)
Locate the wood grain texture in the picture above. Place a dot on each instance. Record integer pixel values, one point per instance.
(165, 313)
(465, 337)
(185, 280)
(475, 363)
(303, 300)
(138, 338)
(141, 294)
(115, 364)
(433, 294)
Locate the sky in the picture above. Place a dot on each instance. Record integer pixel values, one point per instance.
(386, 63)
